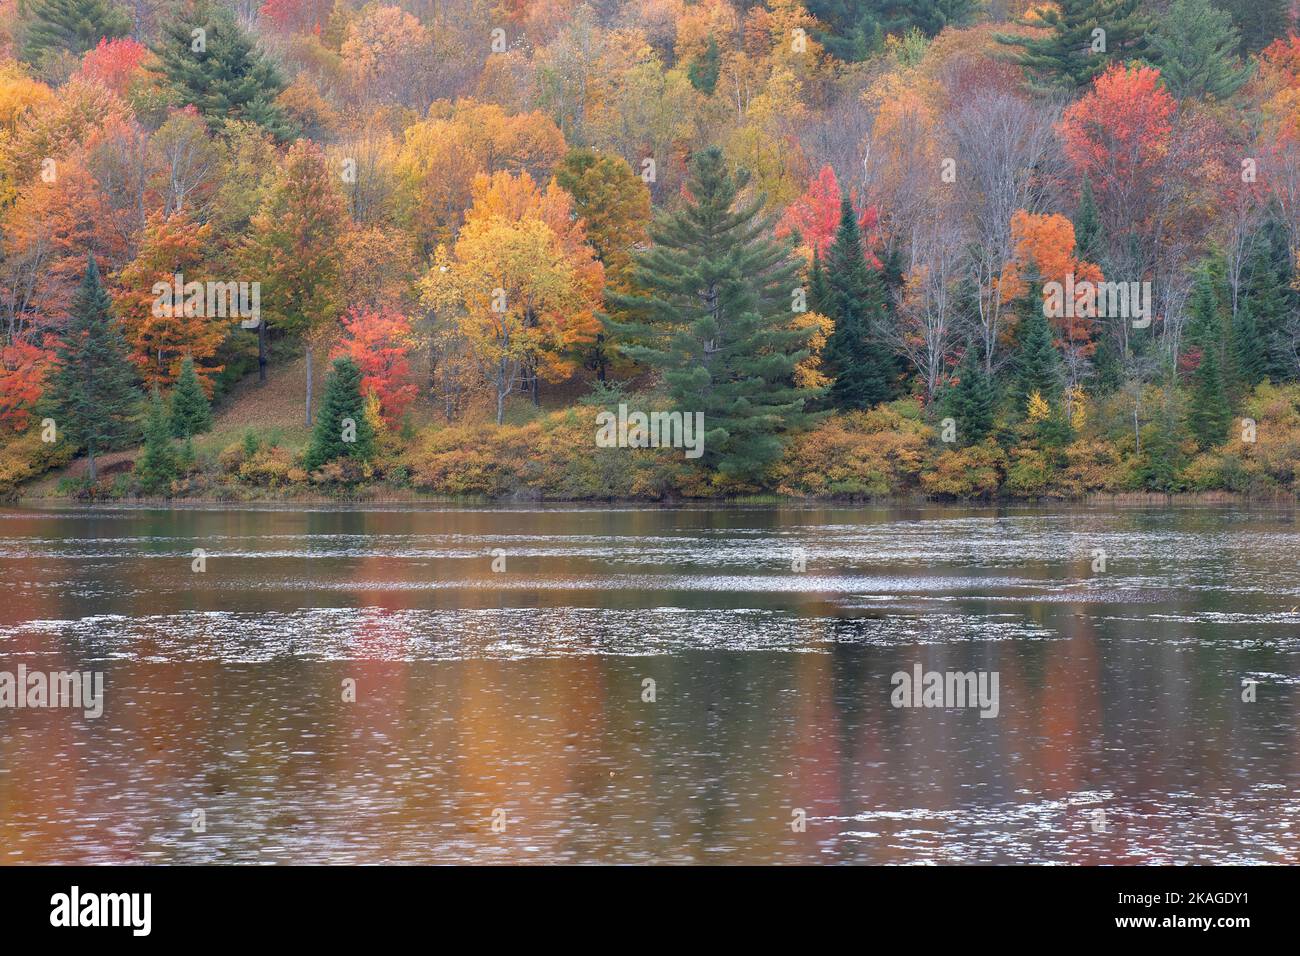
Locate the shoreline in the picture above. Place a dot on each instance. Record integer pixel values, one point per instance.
(289, 502)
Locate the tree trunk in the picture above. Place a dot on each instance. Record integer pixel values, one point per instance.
(90, 463)
(433, 368)
(261, 352)
(309, 386)
(501, 406)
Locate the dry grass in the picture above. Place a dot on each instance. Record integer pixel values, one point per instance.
(274, 411)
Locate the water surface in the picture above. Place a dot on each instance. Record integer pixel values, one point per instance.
(518, 695)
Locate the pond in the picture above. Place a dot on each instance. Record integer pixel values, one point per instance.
(643, 684)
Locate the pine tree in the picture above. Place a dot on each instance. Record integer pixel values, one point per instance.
(1271, 299)
(342, 428)
(92, 393)
(819, 291)
(703, 72)
(1161, 457)
(1248, 357)
(928, 16)
(71, 26)
(1038, 364)
(157, 466)
(186, 459)
(226, 80)
(1195, 45)
(1259, 22)
(971, 402)
(1087, 225)
(1208, 415)
(853, 32)
(855, 300)
(190, 412)
(715, 319)
(1066, 58)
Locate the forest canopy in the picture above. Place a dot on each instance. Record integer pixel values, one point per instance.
(952, 248)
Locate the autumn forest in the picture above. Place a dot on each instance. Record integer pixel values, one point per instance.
(944, 248)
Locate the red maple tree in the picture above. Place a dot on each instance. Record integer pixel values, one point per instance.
(379, 341)
(115, 63)
(815, 216)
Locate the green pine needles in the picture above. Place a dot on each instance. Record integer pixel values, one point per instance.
(342, 429)
(715, 320)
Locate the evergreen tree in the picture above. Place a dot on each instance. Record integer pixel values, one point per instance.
(71, 26)
(1195, 45)
(1072, 54)
(855, 301)
(190, 412)
(1208, 415)
(853, 31)
(1038, 365)
(186, 459)
(703, 72)
(92, 393)
(157, 466)
(1259, 22)
(928, 16)
(972, 401)
(1087, 224)
(819, 291)
(1161, 457)
(342, 417)
(226, 80)
(1271, 300)
(1248, 356)
(715, 319)
(1107, 364)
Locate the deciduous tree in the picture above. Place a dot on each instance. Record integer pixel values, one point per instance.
(293, 251)
(379, 341)
(164, 334)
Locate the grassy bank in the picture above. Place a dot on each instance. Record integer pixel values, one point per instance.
(894, 452)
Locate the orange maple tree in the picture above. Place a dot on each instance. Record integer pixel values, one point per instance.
(1044, 247)
(160, 339)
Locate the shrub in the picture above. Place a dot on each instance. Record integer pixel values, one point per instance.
(1030, 473)
(24, 457)
(342, 471)
(1273, 459)
(1091, 465)
(269, 466)
(554, 456)
(974, 472)
(234, 455)
(866, 454)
